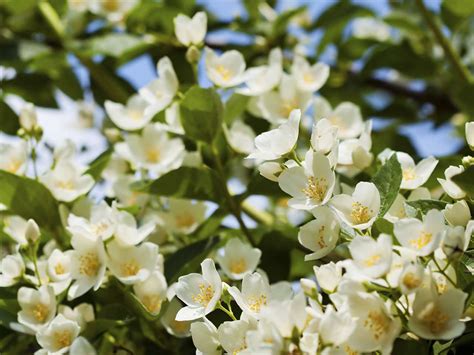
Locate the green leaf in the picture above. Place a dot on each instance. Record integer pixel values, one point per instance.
(29, 199)
(426, 205)
(201, 114)
(99, 164)
(33, 87)
(281, 23)
(190, 183)
(234, 107)
(111, 44)
(408, 347)
(9, 123)
(187, 259)
(388, 180)
(99, 326)
(465, 180)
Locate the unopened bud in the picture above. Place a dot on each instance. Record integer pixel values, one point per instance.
(32, 232)
(453, 243)
(193, 54)
(28, 117)
(113, 134)
(467, 161)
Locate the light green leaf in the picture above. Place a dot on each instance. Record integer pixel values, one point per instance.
(201, 114)
(234, 107)
(426, 205)
(111, 44)
(99, 164)
(388, 180)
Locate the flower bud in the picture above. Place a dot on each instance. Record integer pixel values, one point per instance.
(270, 170)
(467, 161)
(457, 214)
(32, 232)
(28, 117)
(193, 54)
(453, 243)
(470, 134)
(112, 134)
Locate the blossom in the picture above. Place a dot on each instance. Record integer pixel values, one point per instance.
(67, 182)
(183, 216)
(414, 176)
(423, 237)
(232, 334)
(190, 30)
(58, 336)
(13, 157)
(152, 292)
(240, 137)
(179, 329)
(225, 70)
(449, 186)
(200, 292)
(277, 142)
(238, 259)
(309, 77)
(328, 276)
(81, 314)
(254, 296)
(28, 117)
(361, 209)
(371, 257)
(323, 136)
(458, 213)
(437, 316)
(320, 235)
(131, 264)
(310, 185)
(100, 224)
(370, 28)
(469, 128)
(205, 337)
(12, 269)
(38, 307)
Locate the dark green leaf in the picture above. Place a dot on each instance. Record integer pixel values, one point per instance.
(388, 180)
(465, 180)
(8, 119)
(99, 164)
(35, 88)
(234, 107)
(425, 205)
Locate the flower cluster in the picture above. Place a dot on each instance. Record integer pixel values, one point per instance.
(387, 251)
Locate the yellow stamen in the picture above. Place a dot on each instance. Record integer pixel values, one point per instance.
(225, 73)
(152, 303)
(110, 5)
(360, 213)
(153, 155)
(411, 281)
(59, 269)
(378, 323)
(423, 239)
(89, 264)
(130, 268)
(66, 185)
(316, 188)
(206, 292)
(62, 338)
(287, 107)
(408, 174)
(434, 318)
(372, 260)
(40, 312)
(238, 266)
(256, 303)
(184, 220)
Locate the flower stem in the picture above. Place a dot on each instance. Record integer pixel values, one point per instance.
(226, 311)
(443, 272)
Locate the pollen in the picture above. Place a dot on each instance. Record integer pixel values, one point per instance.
(288, 106)
(111, 5)
(238, 266)
(130, 268)
(89, 264)
(65, 184)
(62, 338)
(179, 326)
(256, 303)
(372, 260)
(378, 323)
(153, 155)
(40, 312)
(184, 220)
(152, 303)
(434, 318)
(308, 78)
(225, 73)
(316, 188)
(320, 237)
(59, 269)
(360, 213)
(204, 296)
(349, 351)
(408, 174)
(411, 281)
(423, 239)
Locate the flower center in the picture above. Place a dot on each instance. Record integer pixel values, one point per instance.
(316, 188)
(62, 338)
(360, 213)
(178, 326)
(377, 322)
(13, 166)
(130, 268)
(238, 266)
(434, 318)
(225, 73)
(153, 155)
(66, 185)
(308, 78)
(59, 269)
(372, 260)
(408, 174)
(256, 303)
(185, 220)
(40, 312)
(287, 106)
(205, 295)
(111, 5)
(89, 264)
(423, 239)
(152, 303)
(411, 281)
(135, 115)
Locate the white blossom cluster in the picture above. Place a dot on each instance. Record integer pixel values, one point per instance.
(399, 282)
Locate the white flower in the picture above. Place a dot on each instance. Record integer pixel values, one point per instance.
(270, 170)
(172, 120)
(371, 257)
(113, 10)
(160, 92)
(264, 78)
(100, 224)
(183, 216)
(346, 117)
(423, 237)
(28, 117)
(128, 233)
(310, 185)
(309, 78)
(12, 269)
(354, 153)
(14, 157)
(66, 181)
(320, 235)
(129, 117)
(225, 70)
(32, 232)
(449, 186)
(370, 28)
(190, 31)
(411, 277)
(454, 243)
(265, 338)
(240, 137)
(179, 329)
(437, 316)
(199, 292)
(81, 346)
(65, 150)
(132, 264)
(152, 150)
(324, 136)
(87, 265)
(59, 266)
(81, 314)
(414, 176)
(361, 209)
(275, 106)
(458, 213)
(469, 128)
(15, 227)
(58, 336)
(38, 307)
(152, 292)
(232, 335)
(336, 327)
(238, 259)
(254, 295)
(205, 337)
(278, 142)
(328, 276)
